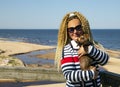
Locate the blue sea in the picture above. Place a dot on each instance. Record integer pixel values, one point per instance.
(109, 38)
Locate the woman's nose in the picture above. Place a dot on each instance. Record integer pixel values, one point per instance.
(75, 30)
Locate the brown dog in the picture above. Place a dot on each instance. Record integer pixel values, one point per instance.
(85, 60)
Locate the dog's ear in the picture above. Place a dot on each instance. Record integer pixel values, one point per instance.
(86, 36)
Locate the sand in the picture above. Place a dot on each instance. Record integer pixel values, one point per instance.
(12, 48)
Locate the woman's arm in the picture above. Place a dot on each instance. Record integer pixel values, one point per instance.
(100, 56)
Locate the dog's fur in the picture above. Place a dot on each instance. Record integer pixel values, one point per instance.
(85, 60)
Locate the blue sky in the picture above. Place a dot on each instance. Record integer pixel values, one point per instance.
(47, 14)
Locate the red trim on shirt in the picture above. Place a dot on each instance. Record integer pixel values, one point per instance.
(69, 59)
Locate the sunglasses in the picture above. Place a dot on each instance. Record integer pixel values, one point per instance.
(77, 28)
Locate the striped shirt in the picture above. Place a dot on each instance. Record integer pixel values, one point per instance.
(72, 72)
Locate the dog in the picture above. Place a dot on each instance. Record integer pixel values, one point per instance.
(85, 60)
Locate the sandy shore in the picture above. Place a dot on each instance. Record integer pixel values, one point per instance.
(12, 48)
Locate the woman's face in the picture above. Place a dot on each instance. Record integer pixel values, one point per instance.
(74, 29)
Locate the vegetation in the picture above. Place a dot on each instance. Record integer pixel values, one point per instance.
(10, 61)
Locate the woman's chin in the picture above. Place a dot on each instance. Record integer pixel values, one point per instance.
(75, 39)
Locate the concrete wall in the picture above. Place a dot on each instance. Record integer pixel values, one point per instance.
(26, 73)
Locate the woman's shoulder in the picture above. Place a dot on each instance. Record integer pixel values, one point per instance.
(67, 46)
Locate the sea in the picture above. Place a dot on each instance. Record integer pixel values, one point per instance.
(109, 38)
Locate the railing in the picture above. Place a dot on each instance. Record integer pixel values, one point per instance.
(24, 73)
(110, 79)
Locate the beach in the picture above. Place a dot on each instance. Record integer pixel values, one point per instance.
(13, 48)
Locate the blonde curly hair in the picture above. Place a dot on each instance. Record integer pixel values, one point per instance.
(63, 37)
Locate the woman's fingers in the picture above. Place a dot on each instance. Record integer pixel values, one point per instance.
(81, 51)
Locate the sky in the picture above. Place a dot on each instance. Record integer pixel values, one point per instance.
(48, 14)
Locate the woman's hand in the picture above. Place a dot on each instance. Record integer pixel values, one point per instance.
(95, 71)
(81, 51)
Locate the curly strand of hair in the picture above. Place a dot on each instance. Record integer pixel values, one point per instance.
(62, 40)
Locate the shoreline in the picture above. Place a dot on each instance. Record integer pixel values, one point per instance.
(14, 48)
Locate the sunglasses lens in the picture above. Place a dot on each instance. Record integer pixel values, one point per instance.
(77, 28)
(71, 30)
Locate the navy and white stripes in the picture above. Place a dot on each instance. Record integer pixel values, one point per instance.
(99, 56)
(70, 65)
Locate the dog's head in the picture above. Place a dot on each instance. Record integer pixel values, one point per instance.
(83, 39)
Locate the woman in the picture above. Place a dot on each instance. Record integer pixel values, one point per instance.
(68, 52)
